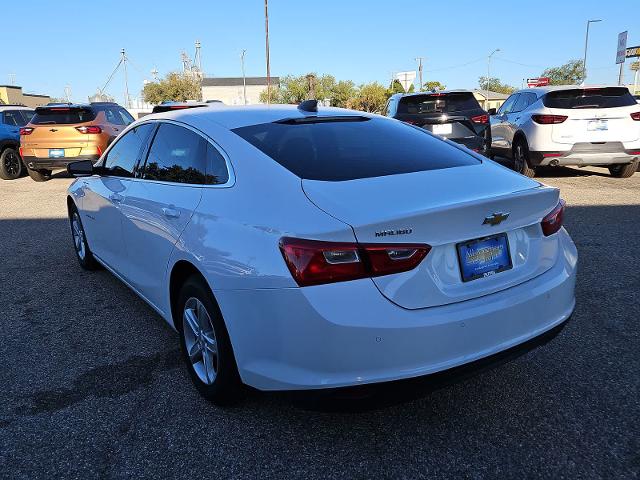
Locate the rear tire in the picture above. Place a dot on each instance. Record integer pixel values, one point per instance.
(521, 159)
(83, 253)
(206, 347)
(39, 175)
(624, 171)
(11, 166)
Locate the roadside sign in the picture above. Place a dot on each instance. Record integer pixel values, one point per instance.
(406, 79)
(633, 52)
(622, 47)
(538, 82)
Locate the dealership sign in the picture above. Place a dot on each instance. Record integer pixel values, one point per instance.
(633, 52)
(537, 82)
(622, 47)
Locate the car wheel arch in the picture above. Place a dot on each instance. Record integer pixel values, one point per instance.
(180, 272)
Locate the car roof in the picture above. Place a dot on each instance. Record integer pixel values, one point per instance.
(232, 117)
(412, 94)
(553, 88)
(14, 107)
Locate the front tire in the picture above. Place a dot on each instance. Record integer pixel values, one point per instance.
(85, 258)
(10, 164)
(521, 159)
(206, 347)
(624, 171)
(39, 175)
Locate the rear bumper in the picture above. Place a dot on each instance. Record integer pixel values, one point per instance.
(36, 163)
(348, 334)
(583, 154)
(475, 143)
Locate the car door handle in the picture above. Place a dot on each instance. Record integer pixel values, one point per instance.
(171, 212)
(116, 198)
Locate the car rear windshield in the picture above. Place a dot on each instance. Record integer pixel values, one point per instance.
(438, 103)
(62, 115)
(352, 148)
(608, 97)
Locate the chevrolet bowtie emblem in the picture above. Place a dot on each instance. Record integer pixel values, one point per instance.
(495, 218)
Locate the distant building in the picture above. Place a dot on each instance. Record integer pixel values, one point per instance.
(495, 99)
(12, 94)
(229, 90)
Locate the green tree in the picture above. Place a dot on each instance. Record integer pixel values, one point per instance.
(174, 87)
(342, 92)
(568, 74)
(295, 89)
(432, 85)
(495, 85)
(371, 97)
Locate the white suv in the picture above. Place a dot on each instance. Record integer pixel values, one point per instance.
(568, 125)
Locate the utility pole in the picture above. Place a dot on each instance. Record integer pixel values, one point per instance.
(244, 78)
(266, 30)
(126, 79)
(67, 93)
(419, 60)
(486, 100)
(586, 44)
(12, 79)
(197, 59)
(154, 73)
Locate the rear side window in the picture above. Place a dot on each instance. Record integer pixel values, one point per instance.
(62, 115)
(177, 155)
(16, 118)
(438, 103)
(348, 150)
(122, 158)
(608, 97)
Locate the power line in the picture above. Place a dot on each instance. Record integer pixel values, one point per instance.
(456, 66)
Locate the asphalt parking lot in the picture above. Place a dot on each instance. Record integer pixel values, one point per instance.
(92, 386)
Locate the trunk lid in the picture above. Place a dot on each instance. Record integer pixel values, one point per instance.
(443, 208)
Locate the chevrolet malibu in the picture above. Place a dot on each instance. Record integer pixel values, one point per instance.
(294, 248)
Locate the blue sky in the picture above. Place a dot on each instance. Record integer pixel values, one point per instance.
(77, 43)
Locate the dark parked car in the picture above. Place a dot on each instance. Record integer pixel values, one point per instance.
(452, 114)
(12, 117)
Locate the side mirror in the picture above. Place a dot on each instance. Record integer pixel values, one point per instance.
(81, 168)
(492, 111)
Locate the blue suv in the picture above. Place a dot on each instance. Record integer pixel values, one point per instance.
(12, 117)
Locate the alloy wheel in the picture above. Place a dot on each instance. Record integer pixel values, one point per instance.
(12, 164)
(200, 340)
(78, 236)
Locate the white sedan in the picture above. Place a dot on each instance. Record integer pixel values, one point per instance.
(297, 249)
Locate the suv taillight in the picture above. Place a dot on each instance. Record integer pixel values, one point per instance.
(553, 221)
(480, 119)
(89, 129)
(26, 130)
(548, 119)
(313, 262)
(636, 116)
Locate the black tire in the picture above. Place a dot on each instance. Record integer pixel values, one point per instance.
(11, 166)
(225, 388)
(83, 253)
(39, 175)
(624, 171)
(521, 159)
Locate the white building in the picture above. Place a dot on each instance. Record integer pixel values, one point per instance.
(229, 90)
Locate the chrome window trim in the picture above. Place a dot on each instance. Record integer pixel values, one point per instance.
(157, 121)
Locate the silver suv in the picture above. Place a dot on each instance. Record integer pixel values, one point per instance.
(569, 125)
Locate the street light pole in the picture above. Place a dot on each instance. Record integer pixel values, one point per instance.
(244, 78)
(266, 29)
(486, 100)
(586, 44)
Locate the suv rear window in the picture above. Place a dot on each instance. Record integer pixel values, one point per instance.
(608, 97)
(349, 148)
(62, 115)
(438, 103)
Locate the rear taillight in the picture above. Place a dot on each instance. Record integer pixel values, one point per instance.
(21, 154)
(636, 116)
(314, 262)
(548, 119)
(26, 130)
(89, 129)
(553, 221)
(480, 119)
